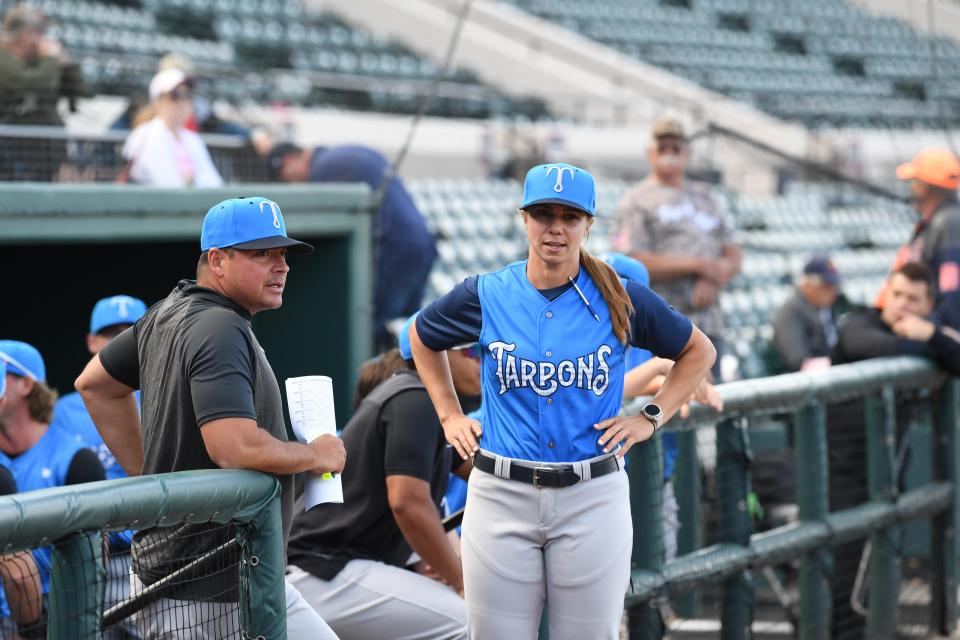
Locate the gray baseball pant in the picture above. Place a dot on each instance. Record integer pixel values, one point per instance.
(370, 600)
(524, 545)
(170, 619)
(117, 591)
(671, 522)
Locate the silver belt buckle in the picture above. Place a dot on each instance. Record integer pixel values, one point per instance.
(536, 475)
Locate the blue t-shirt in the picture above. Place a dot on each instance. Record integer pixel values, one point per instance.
(552, 370)
(42, 466)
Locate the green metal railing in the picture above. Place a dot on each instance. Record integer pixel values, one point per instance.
(733, 560)
(71, 520)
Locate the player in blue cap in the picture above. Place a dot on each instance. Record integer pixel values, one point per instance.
(210, 400)
(20, 597)
(110, 317)
(38, 455)
(548, 515)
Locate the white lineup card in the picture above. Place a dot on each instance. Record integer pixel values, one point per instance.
(310, 403)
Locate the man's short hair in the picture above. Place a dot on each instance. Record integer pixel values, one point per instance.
(278, 156)
(917, 272)
(41, 401)
(204, 260)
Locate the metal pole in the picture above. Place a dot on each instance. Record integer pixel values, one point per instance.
(645, 470)
(812, 498)
(78, 579)
(263, 608)
(733, 482)
(944, 556)
(884, 568)
(686, 483)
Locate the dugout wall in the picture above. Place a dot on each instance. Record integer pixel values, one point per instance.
(63, 247)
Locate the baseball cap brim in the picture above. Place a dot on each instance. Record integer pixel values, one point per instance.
(906, 171)
(567, 203)
(275, 242)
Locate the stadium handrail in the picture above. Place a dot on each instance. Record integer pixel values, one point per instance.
(740, 551)
(71, 519)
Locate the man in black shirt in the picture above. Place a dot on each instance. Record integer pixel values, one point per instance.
(901, 327)
(209, 400)
(804, 327)
(354, 561)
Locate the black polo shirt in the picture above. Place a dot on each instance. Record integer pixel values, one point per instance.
(195, 359)
(395, 431)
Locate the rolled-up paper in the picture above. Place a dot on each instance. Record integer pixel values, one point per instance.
(310, 403)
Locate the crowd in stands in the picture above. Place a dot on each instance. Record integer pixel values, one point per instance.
(381, 565)
(671, 235)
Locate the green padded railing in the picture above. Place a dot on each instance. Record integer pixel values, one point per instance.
(732, 560)
(71, 519)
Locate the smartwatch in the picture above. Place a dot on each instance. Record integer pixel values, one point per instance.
(652, 412)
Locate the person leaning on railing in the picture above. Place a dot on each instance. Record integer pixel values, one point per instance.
(549, 509)
(209, 400)
(903, 326)
(21, 600)
(38, 455)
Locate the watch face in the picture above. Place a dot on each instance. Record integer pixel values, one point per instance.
(652, 410)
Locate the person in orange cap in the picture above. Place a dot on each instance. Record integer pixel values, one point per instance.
(934, 176)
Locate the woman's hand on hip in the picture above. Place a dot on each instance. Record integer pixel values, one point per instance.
(625, 431)
(462, 433)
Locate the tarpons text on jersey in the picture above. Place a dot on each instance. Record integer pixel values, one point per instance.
(589, 371)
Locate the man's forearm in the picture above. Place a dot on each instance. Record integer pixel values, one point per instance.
(665, 266)
(21, 584)
(118, 422)
(283, 458)
(947, 349)
(423, 531)
(238, 443)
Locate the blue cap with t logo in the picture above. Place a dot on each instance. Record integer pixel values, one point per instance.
(248, 223)
(116, 310)
(560, 183)
(23, 360)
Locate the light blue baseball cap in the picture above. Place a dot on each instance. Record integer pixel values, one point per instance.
(23, 360)
(560, 183)
(627, 267)
(116, 310)
(248, 223)
(3, 378)
(404, 338)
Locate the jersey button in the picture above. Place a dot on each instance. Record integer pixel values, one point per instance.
(550, 444)
(549, 314)
(549, 400)
(549, 353)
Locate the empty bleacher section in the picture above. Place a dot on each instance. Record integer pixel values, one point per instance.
(264, 51)
(478, 230)
(822, 62)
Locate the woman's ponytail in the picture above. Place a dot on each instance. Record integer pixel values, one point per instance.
(618, 302)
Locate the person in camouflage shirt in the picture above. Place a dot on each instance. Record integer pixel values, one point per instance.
(678, 231)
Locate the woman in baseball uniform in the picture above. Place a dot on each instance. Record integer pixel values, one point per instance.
(548, 515)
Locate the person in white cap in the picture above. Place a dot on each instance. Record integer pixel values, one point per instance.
(163, 152)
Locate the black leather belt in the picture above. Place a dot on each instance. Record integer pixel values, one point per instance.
(550, 477)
